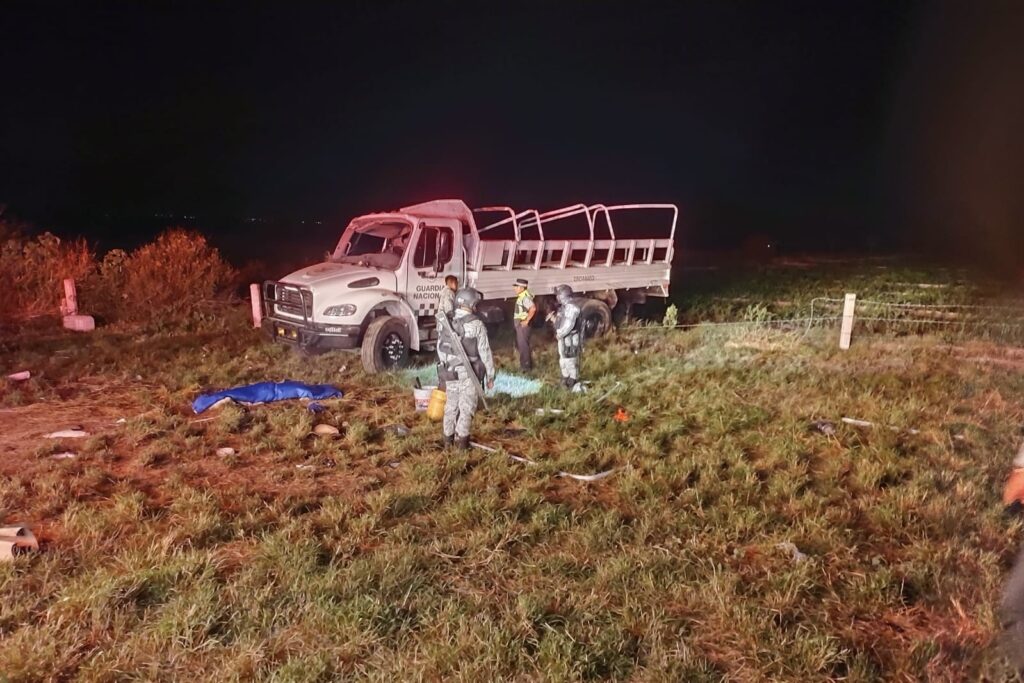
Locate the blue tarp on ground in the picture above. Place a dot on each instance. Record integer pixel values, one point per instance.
(265, 392)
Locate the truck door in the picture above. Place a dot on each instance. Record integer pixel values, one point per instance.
(435, 254)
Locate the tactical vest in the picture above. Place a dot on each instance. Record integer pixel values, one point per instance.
(447, 346)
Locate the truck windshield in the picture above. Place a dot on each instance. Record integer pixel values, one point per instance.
(376, 244)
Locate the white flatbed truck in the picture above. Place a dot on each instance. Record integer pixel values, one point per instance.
(378, 291)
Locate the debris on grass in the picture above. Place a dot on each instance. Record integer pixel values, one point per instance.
(507, 383)
(315, 407)
(826, 427)
(19, 376)
(608, 393)
(526, 461)
(67, 434)
(397, 430)
(16, 540)
(864, 423)
(549, 411)
(588, 477)
(325, 430)
(66, 455)
(225, 451)
(621, 415)
(794, 552)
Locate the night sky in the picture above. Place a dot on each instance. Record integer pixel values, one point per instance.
(822, 125)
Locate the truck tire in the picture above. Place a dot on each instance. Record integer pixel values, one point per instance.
(385, 345)
(597, 318)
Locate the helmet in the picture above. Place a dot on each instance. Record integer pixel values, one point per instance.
(468, 298)
(563, 293)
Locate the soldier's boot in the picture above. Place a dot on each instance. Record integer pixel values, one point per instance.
(568, 382)
(462, 442)
(449, 439)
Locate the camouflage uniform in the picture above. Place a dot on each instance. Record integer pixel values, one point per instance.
(447, 303)
(462, 398)
(569, 342)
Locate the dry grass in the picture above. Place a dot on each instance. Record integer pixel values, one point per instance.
(384, 558)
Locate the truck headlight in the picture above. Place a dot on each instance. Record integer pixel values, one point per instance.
(340, 311)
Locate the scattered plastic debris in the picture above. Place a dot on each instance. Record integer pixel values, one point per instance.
(19, 376)
(66, 455)
(225, 451)
(120, 421)
(67, 434)
(588, 477)
(398, 430)
(580, 388)
(549, 411)
(793, 551)
(864, 423)
(526, 461)
(315, 407)
(16, 540)
(824, 426)
(326, 430)
(608, 393)
(305, 466)
(621, 415)
(394, 465)
(507, 383)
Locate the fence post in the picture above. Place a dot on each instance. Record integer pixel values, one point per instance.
(70, 297)
(257, 307)
(847, 329)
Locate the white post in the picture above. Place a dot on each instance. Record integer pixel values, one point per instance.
(70, 297)
(257, 308)
(844, 334)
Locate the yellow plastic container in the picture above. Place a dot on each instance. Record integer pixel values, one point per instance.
(435, 409)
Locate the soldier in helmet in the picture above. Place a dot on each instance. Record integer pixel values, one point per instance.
(568, 332)
(461, 390)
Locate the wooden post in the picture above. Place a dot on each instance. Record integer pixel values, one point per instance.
(844, 334)
(70, 297)
(257, 307)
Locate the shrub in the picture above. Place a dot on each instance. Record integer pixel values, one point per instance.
(32, 270)
(168, 278)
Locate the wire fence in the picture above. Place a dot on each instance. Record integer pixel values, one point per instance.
(994, 322)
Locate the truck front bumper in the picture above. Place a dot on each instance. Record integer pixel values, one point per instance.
(313, 335)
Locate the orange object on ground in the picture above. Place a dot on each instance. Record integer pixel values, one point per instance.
(1014, 489)
(621, 415)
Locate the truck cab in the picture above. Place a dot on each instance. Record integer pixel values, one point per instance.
(383, 280)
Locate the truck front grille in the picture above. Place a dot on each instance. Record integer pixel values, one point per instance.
(294, 302)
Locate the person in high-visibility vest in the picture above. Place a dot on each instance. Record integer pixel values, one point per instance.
(525, 309)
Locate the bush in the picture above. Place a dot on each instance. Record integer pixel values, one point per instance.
(169, 278)
(32, 271)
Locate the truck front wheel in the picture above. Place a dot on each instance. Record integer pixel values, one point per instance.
(385, 345)
(597, 318)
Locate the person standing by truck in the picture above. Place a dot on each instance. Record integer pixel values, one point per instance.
(462, 395)
(447, 303)
(569, 337)
(522, 316)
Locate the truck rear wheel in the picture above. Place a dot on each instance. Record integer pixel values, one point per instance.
(385, 345)
(597, 318)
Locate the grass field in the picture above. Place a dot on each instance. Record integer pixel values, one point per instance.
(733, 540)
